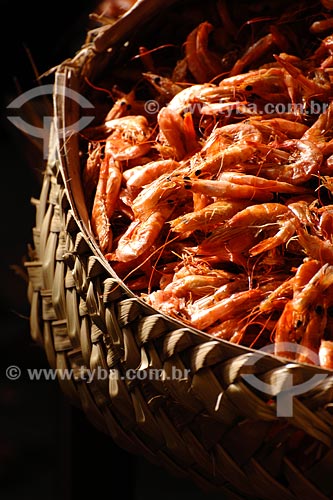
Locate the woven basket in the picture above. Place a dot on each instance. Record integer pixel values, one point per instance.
(209, 425)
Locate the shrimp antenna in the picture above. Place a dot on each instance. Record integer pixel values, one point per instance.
(160, 249)
(149, 257)
(151, 51)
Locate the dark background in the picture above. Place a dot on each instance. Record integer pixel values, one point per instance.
(48, 450)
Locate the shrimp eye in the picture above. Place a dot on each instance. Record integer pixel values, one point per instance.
(248, 88)
(319, 310)
(157, 80)
(197, 172)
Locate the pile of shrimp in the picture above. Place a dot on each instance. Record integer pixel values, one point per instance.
(209, 180)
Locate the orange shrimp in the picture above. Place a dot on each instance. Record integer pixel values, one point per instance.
(90, 172)
(228, 328)
(321, 26)
(325, 225)
(267, 84)
(208, 217)
(262, 183)
(195, 285)
(142, 175)
(226, 146)
(305, 214)
(319, 87)
(108, 187)
(226, 189)
(285, 233)
(281, 127)
(121, 107)
(234, 285)
(156, 191)
(226, 308)
(178, 131)
(315, 247)
(301, 160)
(276, 300)
(304, 318)
(165, 86)
(167, 303)
(326, 354)
(254, 216)
(129, 137)
(202, 63)
(323, 56)
(253, 53)
(321, 131)
(141, 234)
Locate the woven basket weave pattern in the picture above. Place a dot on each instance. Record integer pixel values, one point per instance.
(192, 426)
(208, 425)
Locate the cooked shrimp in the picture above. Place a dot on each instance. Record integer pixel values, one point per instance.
(325, 225)
(202, 62)
(253, 53)
(227, 189)
(303, 319)
(322, 26)
(226, 146)
(128, 137)
(319, 87)
(108, 186)
(167, 303)
(179, 132)
(228, 328)
(276, 300)
(303, 161)
(262, 183)
(320, 132)
(301, 209)
(195, 285)
(281, 127)
(193, 98)
(267, 84)
(123, 106)
(226, 308)
(141, 234)
(165, 86)
(315, 247)
(142, 175)
(285, 233)
(326, 354)
(208, 217)
(90, 172)
(253, 216)
(156, 191)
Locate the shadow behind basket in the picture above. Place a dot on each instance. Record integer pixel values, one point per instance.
(204, 421)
